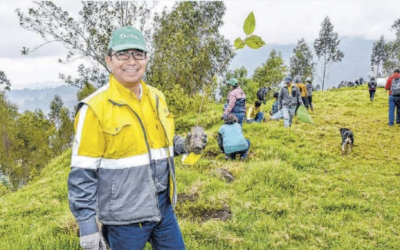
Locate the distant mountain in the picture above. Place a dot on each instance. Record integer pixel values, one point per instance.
(28, 99)
(355, 64)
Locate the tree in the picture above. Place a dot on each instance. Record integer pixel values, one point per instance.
(301, 62)
(188, 48)
(4, 80)
(64, 135)
(271, 73)
(86, 37)
(379, 54)
(393, 49)
(33, 136)
(55, 109)
(326, 48)
(8, 145)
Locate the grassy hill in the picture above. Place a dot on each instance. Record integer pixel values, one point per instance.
(296, 190)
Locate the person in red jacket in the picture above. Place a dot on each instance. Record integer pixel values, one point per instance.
(394, 101)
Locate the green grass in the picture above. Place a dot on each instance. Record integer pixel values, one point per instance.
(296, 191)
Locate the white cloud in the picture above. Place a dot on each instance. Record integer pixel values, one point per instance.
(29, 72)
(286, 22)
(278, 22)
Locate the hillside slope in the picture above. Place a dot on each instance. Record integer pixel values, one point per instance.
(295, 191)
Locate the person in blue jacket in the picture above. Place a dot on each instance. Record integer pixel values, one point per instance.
(231, 139)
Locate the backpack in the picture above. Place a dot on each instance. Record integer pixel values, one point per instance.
(261, 94)
(395, 86)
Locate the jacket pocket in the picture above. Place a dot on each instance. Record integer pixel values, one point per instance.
(121, 140)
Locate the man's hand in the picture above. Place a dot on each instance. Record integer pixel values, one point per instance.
(93, 242)
(223, 116)
(196, 150)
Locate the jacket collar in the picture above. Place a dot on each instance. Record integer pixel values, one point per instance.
(119, 94)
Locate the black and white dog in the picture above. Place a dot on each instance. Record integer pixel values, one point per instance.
(347, 139)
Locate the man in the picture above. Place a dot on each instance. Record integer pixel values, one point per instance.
(289, 98)
(122, 167)
(303, 90)
(309, 88)
(254, 113)
(394, 100)
(236, 102)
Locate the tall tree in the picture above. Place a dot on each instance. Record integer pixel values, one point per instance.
(301, 62)
(379, 55)
(327, 48)
(272, 72)
(188, 48)
(393, 49)
(34, 132)
(63, 137)
(8, 145)
(55, 109)
(4, 80)
(85, 37)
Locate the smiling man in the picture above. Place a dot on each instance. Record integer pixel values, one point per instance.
(122, 167)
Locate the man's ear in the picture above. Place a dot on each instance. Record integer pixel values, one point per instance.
(108, 62)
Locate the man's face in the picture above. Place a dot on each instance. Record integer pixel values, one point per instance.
(127, 72)
(289, 84)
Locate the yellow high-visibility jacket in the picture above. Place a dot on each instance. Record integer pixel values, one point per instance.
(119, 140)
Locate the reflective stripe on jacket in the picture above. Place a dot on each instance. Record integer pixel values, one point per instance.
(119, 142)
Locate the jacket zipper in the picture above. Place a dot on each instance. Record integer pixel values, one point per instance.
(169, 161)
(148, 148)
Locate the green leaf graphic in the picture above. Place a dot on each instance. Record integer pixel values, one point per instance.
(249, 24)
(239, 44)
(254, 42)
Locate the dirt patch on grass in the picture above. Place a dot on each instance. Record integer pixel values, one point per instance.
(224, 173)
(183, 198)
(223, 214)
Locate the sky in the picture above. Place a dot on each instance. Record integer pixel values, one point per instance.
(277, 22)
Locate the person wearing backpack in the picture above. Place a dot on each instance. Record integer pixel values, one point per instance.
(309, 88)
(262, 94)
(393, 85)
(372, 88)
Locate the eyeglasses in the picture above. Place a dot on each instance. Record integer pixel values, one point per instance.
(125, 55)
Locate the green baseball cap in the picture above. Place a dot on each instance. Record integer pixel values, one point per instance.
(233, 82)
(127, 38)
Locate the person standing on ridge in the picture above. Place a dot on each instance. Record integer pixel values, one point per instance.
(394, 98)
(122, 167)
(372, 88)
(309, 88)
(303, 90)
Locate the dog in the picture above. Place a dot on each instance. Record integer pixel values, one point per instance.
(347, 139)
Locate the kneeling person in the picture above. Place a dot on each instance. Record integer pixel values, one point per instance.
(254, 113)
(231, 139)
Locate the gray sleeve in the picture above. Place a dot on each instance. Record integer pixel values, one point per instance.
(82, 195)
(179, 145)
